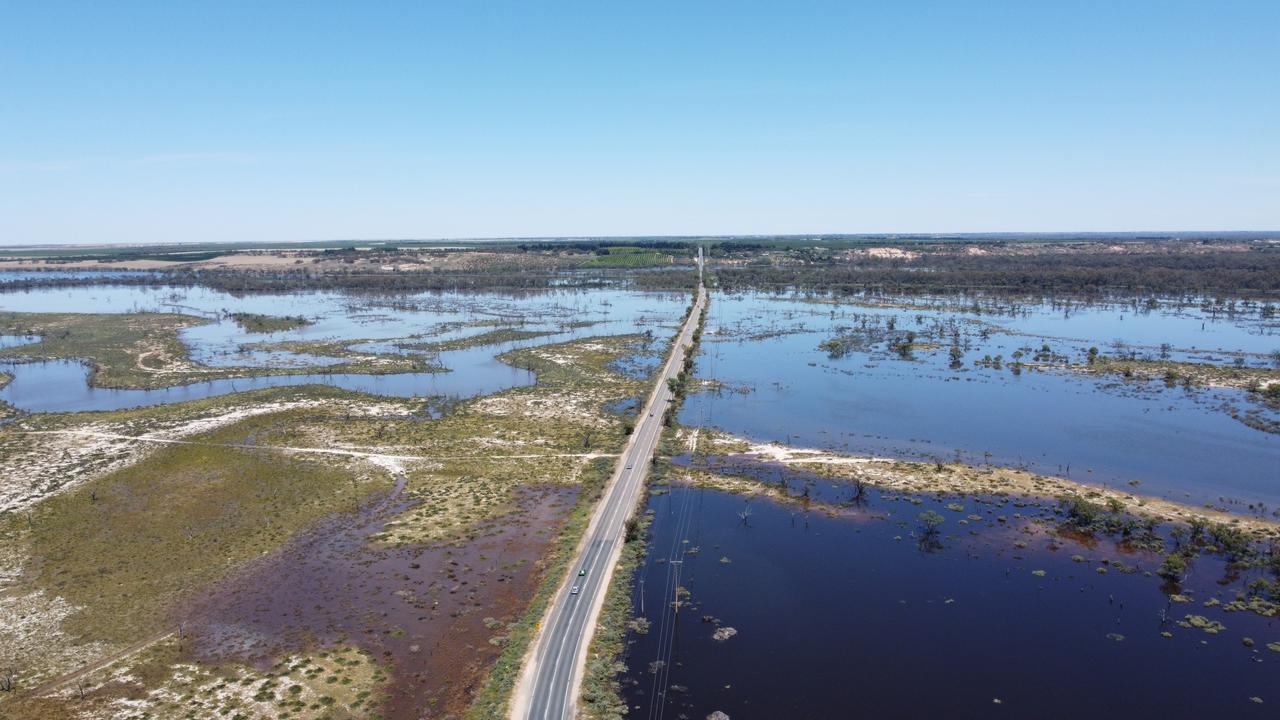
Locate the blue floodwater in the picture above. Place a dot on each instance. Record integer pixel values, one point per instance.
(61, 386)
(1176, 443)
(847, 617)
(373, 323)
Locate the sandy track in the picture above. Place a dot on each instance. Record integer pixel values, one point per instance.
(60, 682)
(391, 461)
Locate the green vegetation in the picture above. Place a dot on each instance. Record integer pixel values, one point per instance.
(628, 257)
(1001, 264)
(255, 323)
(418, 351)
(930, 521)
(873, 332)
(123, 350)
(6, 410)
(492, 337)
(126, 252)
(1233, 264)
(143, 350)
(601, 697)
(1265, 381)
(495, 694)
(1110, 518)
(124, 548)
(1261, 384)
(1081, 513)
(1174, 567)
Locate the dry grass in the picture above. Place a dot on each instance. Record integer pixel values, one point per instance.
(43, 454)
(341, 683)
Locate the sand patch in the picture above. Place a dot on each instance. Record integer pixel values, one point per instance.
(955, 478)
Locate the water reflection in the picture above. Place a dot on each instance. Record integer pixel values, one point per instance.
(354, 323)
(779, 386)
(845, 616)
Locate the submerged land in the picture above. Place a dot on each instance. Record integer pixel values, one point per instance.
(348, 479)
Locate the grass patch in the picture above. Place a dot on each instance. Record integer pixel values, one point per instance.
(491, 337)
(38, 460)
(256, 323)
(124, 548)
(133, 350)
(1187, 374)
(143, 350)
(407, 361)
(629, 257)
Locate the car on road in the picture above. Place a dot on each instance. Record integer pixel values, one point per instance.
(628, 465)
(573, 590)
(582, 572)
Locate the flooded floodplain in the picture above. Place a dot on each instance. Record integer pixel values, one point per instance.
(404, 545)
(429, 612)
(815, 598)
(853, 612)
(804, 595)
(1015, 391)
(469, 326)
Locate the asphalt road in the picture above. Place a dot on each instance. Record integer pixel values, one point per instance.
(551, 680)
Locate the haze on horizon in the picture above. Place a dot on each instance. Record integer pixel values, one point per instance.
(239, 121)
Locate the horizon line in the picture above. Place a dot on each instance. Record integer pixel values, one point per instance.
(818, 236)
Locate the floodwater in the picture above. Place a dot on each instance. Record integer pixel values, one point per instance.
(851, 615)
(427, 611)
(370, 323)
(1172, 442)
(62, 386)
(1201, 325)
(838, 604)
(8, 277)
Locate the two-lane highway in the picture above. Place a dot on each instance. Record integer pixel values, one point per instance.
(551, 679)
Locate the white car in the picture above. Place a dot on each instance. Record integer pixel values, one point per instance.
(573, 590)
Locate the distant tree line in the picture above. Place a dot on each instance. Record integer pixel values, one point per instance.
(508, 278)
(1252, 273)
(598, 246)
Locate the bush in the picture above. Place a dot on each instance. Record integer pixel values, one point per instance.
(931, 521)
(1080, 512)
(1231, 541)
(1173, 567)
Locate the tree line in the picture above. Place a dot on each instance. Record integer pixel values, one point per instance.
(1253, 273)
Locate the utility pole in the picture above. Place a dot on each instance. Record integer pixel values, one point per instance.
(677, 563)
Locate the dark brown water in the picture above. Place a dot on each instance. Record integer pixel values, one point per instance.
(418, 609)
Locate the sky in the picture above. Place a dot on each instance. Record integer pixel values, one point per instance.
(269, 121)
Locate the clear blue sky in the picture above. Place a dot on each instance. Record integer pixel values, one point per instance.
(176, 121)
